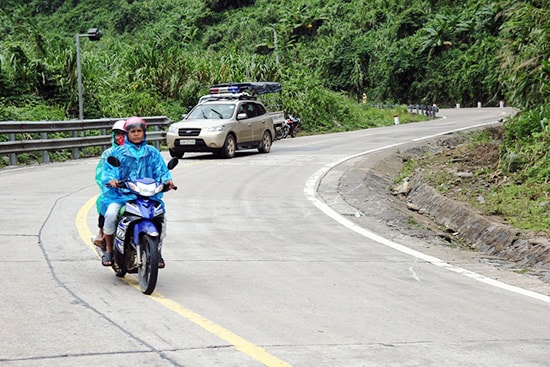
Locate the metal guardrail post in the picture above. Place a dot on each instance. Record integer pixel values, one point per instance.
(13, 156)
(45, 154)
(156, 144)
(104, 132)
(75, 152)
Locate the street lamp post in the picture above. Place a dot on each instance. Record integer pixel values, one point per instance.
(94, 34)
(275, 44)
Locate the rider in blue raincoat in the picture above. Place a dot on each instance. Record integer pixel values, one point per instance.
(106, 193)
(137, 160)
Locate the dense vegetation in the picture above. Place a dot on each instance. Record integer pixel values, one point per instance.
(158, 56)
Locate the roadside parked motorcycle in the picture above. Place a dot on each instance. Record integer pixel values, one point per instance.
(290, 127)
(136, 247)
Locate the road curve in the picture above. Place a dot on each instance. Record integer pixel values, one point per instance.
(257, 272)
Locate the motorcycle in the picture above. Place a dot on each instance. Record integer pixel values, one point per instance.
(291, 127)
(136, 247)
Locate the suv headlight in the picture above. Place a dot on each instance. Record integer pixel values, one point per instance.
(215, 129)
(172, 129)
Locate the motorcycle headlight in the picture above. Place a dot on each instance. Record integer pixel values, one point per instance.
(147, 188)
(159, 188)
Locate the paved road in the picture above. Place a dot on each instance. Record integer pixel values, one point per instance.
(261, 270)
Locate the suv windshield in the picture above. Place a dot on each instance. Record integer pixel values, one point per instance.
(212, 111)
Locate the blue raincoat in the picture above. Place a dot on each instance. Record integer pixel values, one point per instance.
(136, 161)
(106, 194)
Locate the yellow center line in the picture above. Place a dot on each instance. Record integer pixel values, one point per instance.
(238, 342)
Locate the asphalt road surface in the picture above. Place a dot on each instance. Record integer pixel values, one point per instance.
(261, 270)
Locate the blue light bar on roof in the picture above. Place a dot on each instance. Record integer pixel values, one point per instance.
(229, 89)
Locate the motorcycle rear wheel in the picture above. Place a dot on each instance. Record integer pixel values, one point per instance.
(148, 269)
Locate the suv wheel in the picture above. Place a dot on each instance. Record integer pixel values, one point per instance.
(229, 147)
(265, 144)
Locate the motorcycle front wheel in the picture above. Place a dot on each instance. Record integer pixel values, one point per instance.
(293, 132)
(148, 269)
(119, 264)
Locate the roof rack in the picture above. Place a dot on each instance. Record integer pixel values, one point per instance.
(253, 87)
(220, 97)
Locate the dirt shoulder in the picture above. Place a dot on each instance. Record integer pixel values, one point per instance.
(418, 216)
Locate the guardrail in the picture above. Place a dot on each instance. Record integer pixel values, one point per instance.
(427, 110)
(17, 133)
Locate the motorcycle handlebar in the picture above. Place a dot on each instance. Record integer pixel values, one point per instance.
(119, 185)
(122, 182)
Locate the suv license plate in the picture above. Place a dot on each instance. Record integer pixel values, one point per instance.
(186, 142)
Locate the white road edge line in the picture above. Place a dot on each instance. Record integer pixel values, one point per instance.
(310, 191)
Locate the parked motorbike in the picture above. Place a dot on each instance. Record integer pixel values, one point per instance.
(291, 127)
(136, 247)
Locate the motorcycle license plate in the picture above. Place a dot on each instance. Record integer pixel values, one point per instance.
(186, 142)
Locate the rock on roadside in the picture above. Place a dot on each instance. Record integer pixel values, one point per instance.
(480, 232)
(366, 196)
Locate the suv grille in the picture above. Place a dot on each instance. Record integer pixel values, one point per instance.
(189, 132)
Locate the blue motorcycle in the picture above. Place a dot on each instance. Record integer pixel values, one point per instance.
(136, 247)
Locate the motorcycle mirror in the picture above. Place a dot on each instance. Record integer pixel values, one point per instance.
(113, 161)
(171, 163)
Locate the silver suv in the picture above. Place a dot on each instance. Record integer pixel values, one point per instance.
(222, 127)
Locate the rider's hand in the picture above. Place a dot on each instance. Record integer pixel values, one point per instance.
(170, 184)
(113, 183)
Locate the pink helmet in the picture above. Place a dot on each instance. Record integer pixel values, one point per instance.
(135, 121)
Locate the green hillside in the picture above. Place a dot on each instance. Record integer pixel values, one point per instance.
(157, 56)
